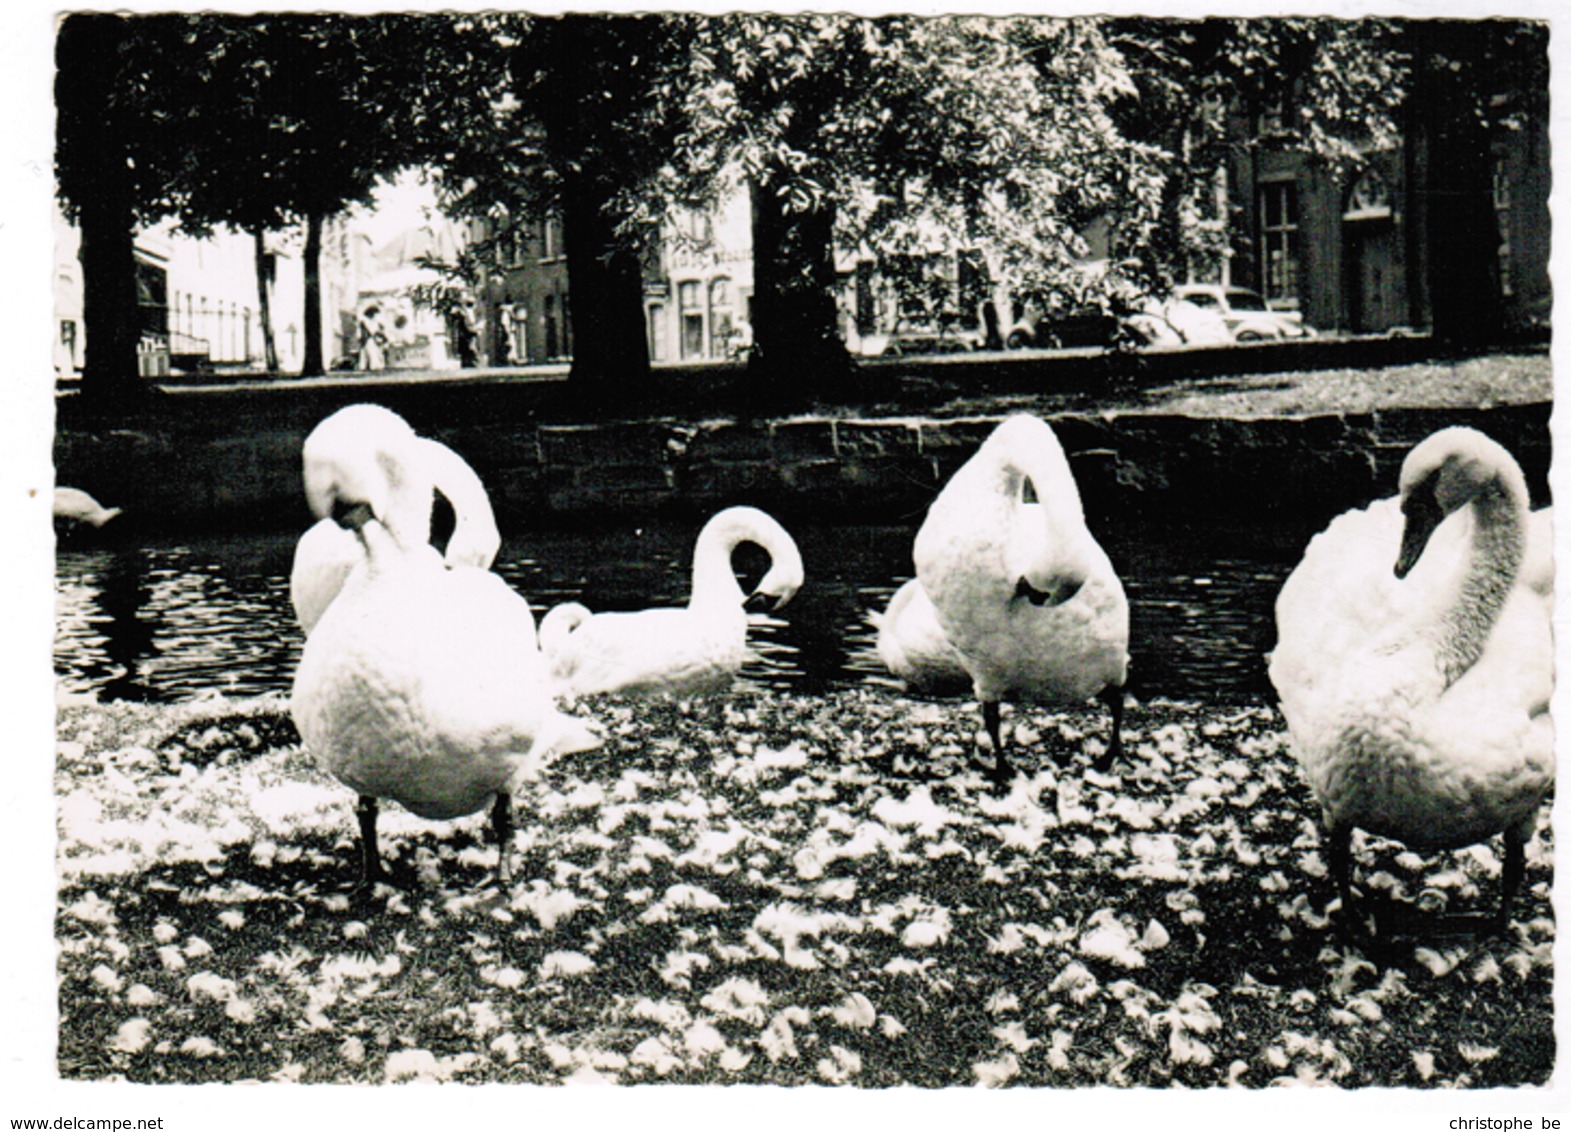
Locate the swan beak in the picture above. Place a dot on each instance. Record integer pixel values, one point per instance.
(762, 601)
(1422, 514)
(351, 516)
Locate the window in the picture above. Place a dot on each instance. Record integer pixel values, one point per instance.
(690, 305)
(551, 245)
(657, 332)
(549, 318)
(1279, 242)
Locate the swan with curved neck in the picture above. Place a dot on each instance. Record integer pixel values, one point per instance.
(327, 552)
(1022, 590)
(421, 683)
(1415, 663)
(682, 651)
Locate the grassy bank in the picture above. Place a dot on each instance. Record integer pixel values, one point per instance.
(779, 890)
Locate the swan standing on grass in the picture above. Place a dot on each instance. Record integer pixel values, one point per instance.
(1023, 592)
(681, 651)
(421, 683)
(1414, 661)
(327, 552)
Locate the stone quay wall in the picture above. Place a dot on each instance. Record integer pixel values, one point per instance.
(221, 464)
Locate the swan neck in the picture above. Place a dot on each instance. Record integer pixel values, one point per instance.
(714, 578)
(382, 547)
(1498, 547)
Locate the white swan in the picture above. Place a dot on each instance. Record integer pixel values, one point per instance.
(912, 644)
(683, 651)
(1023, 592)
(327, 552)
(1414, 660)
(421, 683)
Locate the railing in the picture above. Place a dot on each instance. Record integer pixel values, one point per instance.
(226, 335)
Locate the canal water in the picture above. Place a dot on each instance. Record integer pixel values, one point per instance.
(166, 621)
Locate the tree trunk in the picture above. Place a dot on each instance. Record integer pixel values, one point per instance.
(797, 350)
(102, 189)
(264, 301)
(311, 362)
(605, 279)
(111, 320)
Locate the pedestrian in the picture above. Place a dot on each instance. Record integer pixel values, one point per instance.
(373, 340)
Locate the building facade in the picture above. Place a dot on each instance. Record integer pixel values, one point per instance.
(1351, 254)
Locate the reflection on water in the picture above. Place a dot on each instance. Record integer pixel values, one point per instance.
(166, 621)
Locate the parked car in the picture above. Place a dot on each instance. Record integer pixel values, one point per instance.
(1247, 314)
(923, 337)
(1152, 322)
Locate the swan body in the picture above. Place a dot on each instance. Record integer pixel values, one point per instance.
(73, 506)
(1022, 590)
(327, 552)
(1414, 661)
(691, 650)
(421, 683)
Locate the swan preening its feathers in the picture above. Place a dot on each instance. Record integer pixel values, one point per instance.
(691, 650)
(1414, 660)
(420, 682)
(1025, 598)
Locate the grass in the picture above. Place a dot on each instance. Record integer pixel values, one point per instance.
(773, 890)
(1466, 383)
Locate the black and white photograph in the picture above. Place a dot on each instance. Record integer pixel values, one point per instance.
(829, 564)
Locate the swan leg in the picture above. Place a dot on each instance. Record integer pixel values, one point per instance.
(371, 870)
(1339, 848)
(1113, 697)
(992, 719)
(1511, 877)
(502, 827)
